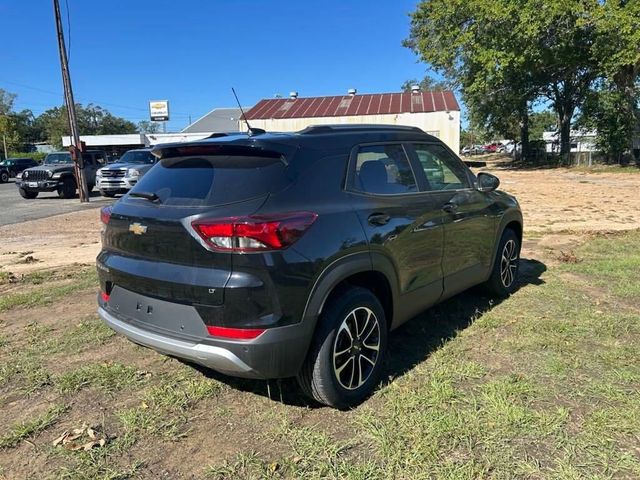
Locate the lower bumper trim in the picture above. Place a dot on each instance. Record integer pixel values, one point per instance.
(210, 356)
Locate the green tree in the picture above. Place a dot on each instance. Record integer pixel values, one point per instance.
(506, 56)
(146, 126)
(613, 108)
(28, 128)
(9, 136)
(543, 121)
(7, 100)
(427, 84)
(9, 125)
(472, 45)
(92, 120)
(607, 111)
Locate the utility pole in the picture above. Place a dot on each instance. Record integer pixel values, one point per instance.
(76, 146)
(4, 142)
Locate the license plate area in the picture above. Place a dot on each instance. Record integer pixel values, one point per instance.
(33, 184)
(173, 318)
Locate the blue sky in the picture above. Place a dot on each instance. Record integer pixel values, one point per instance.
(127, 52)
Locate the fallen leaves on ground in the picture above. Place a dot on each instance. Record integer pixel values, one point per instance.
(83, 438)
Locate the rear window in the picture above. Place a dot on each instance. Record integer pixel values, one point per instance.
(213, 180)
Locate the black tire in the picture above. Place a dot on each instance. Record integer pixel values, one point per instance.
(107, 194)
(68, 188)
(29, 195)
(504, 276)
(4, 177)
(319, 377)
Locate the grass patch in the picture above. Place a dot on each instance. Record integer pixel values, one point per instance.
(25, 371)
(164, 407)
(313, 454)
(107, 377)
(29, 428)
(105, 463)
(613, 263)
(90, 333)
(601, 168)
(45, 293)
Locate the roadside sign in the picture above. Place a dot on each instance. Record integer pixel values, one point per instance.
(159, 110)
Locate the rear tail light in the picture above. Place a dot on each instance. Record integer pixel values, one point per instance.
(104, 296)
(254, 233)
(105, 214)
(235, 333)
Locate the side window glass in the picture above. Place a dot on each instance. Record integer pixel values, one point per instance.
(383, 169)
(443, 172)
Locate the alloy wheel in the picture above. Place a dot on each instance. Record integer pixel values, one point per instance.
(356, 348)
(509, 263)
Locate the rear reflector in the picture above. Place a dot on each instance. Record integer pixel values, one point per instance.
(104, 296)
(254, 233)
(105, 214)
(235, 333)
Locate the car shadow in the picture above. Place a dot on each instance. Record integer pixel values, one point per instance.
(409, 345)
(54, 196)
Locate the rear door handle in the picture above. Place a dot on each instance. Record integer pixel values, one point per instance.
(450, 207)
(379, 219)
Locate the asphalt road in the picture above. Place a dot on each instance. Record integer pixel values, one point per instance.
(15, 209)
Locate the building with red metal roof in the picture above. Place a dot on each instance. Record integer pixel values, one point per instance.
(435, 112)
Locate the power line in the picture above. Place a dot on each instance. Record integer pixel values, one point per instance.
(58, 94)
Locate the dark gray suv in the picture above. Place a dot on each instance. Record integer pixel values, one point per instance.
(279, 255)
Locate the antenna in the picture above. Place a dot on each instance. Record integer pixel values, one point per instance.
(252, 131)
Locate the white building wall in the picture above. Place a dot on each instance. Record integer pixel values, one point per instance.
(443, 125)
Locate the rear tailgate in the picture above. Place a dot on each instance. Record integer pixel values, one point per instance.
(149, 246)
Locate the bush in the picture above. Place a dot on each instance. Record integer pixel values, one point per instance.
(37, 156)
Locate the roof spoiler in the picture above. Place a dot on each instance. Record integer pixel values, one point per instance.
(173, 150)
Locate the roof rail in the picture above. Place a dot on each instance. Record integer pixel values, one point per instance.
(313, 129)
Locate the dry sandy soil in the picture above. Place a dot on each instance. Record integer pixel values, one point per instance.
(554, 200)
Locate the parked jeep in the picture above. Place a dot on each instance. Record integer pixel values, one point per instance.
(56, 174)
(121, 176)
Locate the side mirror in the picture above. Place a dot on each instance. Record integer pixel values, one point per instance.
(487, 182)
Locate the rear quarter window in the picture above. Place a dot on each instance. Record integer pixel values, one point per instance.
(213, 180)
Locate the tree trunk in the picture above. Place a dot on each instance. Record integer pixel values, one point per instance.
(625, 81)
(524, 137)
(565, 136)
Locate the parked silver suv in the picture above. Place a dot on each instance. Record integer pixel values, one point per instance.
(120, 177)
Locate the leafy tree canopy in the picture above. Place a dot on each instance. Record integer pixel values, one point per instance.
(426, 84)
(20, 128)
(507, 56)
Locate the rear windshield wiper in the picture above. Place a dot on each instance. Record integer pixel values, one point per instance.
(152, 197)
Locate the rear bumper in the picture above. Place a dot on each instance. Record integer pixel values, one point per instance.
(277, 353)
(210, 356)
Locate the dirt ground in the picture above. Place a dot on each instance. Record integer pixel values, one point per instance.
(559, 205)
(553, 200)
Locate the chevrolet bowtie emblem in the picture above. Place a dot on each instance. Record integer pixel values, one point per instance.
(138, 228)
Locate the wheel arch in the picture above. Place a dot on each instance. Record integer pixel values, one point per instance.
(512, 219)
(360, 269)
